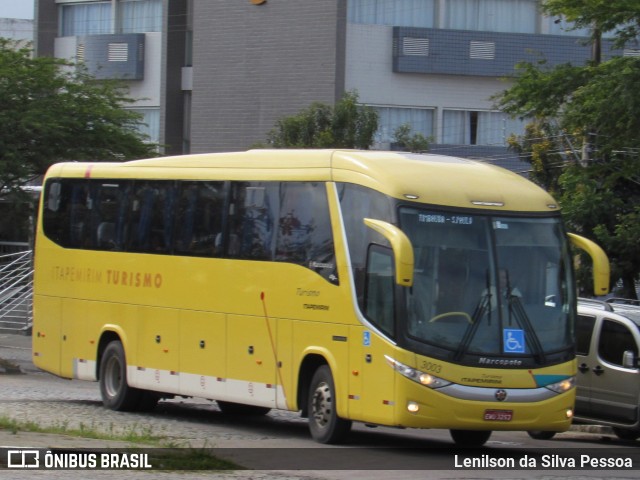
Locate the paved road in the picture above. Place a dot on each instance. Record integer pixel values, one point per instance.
(27, 394)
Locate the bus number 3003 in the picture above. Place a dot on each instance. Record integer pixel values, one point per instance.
(431, 367)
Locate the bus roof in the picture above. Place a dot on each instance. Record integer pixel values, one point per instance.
(425, 178)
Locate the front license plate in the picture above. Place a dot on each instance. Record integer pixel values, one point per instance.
(498, 415)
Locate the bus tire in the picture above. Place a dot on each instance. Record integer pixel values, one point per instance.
(232, 408)
(324, 424)
(116, 392)
(470, 438)
(541, 434)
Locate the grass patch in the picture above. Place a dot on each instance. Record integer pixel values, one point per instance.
(163, 454)
(133, 434)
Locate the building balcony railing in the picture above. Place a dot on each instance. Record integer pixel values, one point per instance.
(478, 53)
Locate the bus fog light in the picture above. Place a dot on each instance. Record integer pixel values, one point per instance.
(413, 407)
(569, 413)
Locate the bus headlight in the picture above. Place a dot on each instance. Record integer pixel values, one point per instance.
(417, 376)
(563, 385)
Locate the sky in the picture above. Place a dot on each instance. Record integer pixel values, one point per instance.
(16, 9)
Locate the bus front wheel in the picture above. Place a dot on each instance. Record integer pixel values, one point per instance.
(324, 424)
(115, 391)
(470, 438)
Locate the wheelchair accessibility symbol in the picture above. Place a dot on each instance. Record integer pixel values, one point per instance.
(513, 340)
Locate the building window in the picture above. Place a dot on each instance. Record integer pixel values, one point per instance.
(560, 26)
(140, 16)
(516, 16)
(402, 13)
(150, 125)
(95, 18)
(390, 118)
(86, 19)
(463, 127)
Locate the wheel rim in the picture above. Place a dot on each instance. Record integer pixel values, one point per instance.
(113, 377)
(322, 404)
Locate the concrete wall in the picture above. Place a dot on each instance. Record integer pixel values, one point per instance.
(254, 64)
(370, 71)
(17, 29)
(146, 92)
(493, 54)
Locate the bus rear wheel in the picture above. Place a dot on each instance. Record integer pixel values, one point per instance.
(324, 424)
(116, 392)
(470, 438)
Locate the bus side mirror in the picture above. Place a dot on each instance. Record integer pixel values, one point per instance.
(401, 246)
(600, 262)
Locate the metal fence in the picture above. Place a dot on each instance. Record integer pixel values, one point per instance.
(16, 292)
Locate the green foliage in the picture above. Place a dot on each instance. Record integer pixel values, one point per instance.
(413, 143)
(540, 147)
(619, 16)
(586, 119)
(51, 111)
(345, 125)
(602, 202)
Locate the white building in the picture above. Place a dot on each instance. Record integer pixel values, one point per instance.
(216, 75)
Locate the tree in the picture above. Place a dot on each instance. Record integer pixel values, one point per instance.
(588, 119)
(540, 147)
(345, 125)
(619, 16)
(51, 111)
(413, 143)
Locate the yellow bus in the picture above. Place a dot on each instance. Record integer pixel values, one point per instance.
(394, 289)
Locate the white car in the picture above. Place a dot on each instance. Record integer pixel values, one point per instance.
(608, 378)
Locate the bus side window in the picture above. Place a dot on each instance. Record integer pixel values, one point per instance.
(79, 215)
(358, 203)
(199, 219)
(379, 289)
(106, 214)
(305, 236)
(151, 217)
(252, 219)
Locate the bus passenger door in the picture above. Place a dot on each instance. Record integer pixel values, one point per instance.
(371, 386)
(251, 364)
(369, 347)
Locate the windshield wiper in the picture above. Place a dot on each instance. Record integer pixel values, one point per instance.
(478, 313)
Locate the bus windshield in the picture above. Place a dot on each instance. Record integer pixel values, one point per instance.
(488, 286)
